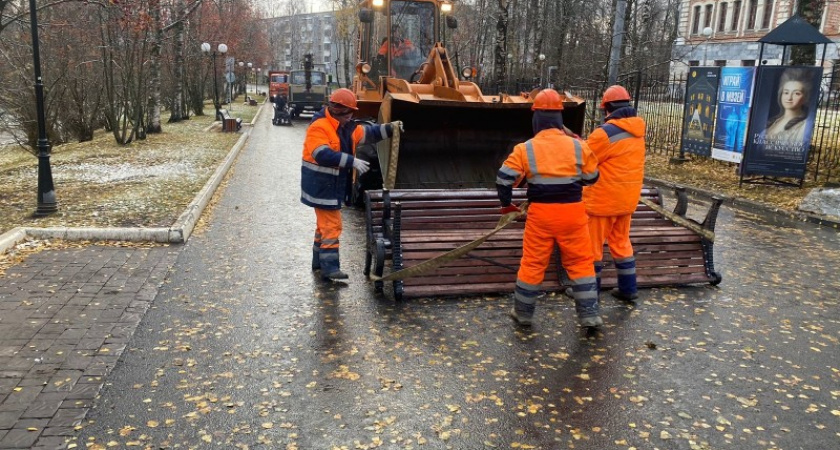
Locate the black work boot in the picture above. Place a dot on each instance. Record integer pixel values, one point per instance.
(316, 261)
(629, 298)
(335, 276)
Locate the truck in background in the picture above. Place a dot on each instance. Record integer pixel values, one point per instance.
(278, 83)
(308, 90)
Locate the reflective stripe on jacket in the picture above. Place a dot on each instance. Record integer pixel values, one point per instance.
(555, 165)
(328, 154)
(619, 145)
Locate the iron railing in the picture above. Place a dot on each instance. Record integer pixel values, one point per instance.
(661, 103)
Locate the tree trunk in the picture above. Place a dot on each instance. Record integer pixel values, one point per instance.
(154, 83)
(500, 52)
(179, 104)
(811, 11)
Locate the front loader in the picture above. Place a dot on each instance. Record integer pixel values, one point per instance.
(455, 136)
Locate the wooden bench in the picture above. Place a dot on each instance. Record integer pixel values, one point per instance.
(229, 124)
(407, 227)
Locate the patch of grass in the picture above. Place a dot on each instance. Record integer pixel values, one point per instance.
(720, 177)
(147, 183)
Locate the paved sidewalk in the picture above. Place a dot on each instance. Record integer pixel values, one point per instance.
(65, 319)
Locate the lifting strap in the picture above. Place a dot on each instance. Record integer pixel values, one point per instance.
(680, 220)
(437, 261)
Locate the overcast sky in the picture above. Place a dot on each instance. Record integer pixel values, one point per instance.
(311, 5)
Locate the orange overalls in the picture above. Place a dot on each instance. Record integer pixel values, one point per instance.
(619, 145)
(556, 167)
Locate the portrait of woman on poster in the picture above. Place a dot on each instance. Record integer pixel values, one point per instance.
(793, 98)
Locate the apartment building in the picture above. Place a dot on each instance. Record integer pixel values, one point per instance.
(726, 33)
(291, 37)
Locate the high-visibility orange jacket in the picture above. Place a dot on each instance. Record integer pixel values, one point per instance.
(328, 154)
(555, 165)
(619, 145)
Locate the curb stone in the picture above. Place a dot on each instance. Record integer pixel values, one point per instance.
(750, 205)
(177, 233)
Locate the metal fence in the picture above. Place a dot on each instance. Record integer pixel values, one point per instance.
(661, 103)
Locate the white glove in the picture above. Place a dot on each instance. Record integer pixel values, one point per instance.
(361, 166)
(398, 124)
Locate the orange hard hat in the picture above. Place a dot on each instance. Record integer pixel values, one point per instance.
(615, 93)
(344, 97)
(547, 99)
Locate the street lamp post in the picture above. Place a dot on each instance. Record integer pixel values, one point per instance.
(47, 203)
(707, 32)
(250, 70)
(222, 49)
(257, 80)
(542, 63)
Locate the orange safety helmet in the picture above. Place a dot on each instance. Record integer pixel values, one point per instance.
(615, 93)
(344, 97)
(547, 99)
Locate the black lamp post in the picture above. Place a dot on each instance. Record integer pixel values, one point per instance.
(205, 47)
(46, 190)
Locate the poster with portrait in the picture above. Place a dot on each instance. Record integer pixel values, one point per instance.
(782, 121)
(734, 97)
(699, 113)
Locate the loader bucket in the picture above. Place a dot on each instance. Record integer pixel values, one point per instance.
(452, 144)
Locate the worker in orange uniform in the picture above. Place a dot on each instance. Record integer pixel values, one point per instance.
(619, 145)
(556, 167)
(326, 175)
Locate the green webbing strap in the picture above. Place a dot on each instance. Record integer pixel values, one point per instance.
(437, 261)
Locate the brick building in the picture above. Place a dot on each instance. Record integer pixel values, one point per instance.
(726, 33)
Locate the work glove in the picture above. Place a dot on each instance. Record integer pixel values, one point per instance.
(397, 124)
(361, 166)
(509, 209)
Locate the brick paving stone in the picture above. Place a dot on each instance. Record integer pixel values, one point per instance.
(69, 417)
(19, 438)
(45, 405)
(20, 399)
(51, 442)
(66, 316)
(8, 419)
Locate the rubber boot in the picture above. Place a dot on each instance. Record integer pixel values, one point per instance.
(524, 305)
(569, 292)
(586, 302)
(335, 276)
(627, 289)
(316, 260)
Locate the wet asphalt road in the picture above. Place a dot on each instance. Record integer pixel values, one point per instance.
(245, 348)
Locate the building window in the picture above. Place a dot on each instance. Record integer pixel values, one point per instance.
(768, 10)
(722, 17)
(695, 26)
(736, 14)
(327, 47)
(707, 22)
(720, 63)
(694, 63)
(752, 7)
(748, 62)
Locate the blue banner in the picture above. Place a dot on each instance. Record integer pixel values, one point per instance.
(734, 99)
(782, 121)
(699, 114)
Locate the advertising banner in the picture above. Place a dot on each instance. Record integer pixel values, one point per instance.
(734, 97)
(699, 114)
(782, 121)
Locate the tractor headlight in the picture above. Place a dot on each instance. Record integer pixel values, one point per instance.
(466, 72)
(365, 68)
